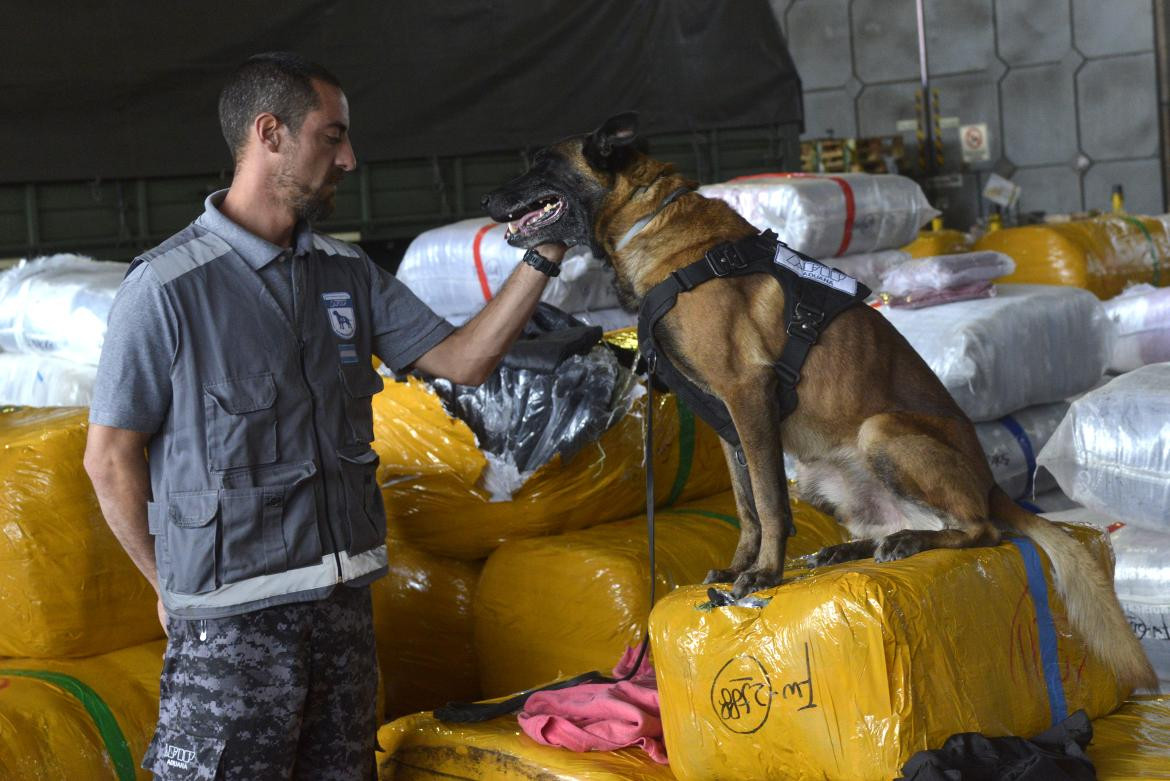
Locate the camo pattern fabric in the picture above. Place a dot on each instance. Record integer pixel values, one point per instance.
(285, 692)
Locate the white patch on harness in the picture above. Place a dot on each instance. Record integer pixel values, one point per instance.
(817, 272)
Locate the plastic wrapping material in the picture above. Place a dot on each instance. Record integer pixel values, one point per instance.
(867, 268)
(939, 242)
(1141, 319)
(1103, 254)
(431, 475)
(1011, 444)
(1029, 345)
(1141, 579)
(58, 306)
(41, 381)
(850, 670)
(1111, 452)
(523, 633)
(612, 319)
(943, 278)
(51, 715)
(1133, 743)
(66, 586)
(422, 622)
(417, 747)
(456, 269)
(826, 216)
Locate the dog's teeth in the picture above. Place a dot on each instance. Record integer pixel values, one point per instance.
(511, 227)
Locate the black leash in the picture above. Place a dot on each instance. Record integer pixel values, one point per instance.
(473, 712)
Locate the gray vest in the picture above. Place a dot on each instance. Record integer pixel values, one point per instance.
(264, 481)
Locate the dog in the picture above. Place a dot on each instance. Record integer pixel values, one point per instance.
(880, 442)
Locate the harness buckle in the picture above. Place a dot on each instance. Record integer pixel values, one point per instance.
(725, 259)
(806, 322)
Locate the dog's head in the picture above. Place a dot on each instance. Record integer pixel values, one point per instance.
(561, 195)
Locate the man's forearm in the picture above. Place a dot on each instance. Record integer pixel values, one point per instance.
(123, 489)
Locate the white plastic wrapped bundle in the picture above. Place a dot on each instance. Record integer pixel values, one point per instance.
(40, 381)
(1111, 452)
(1141, 316)
(58, 306)
(1031, 344)
(609, 319)
(868, 267)
(1012, 442)
(829, 215)
(1141, 579)
(457, 268)
(928, 277)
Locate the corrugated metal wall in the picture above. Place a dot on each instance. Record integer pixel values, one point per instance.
(1067, 88)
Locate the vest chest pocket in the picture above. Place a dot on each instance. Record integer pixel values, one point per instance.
(363, 500)
(360, 382)
(191, 541)
(241, 421)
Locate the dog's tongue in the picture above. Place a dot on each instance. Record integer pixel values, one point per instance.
(527, 218)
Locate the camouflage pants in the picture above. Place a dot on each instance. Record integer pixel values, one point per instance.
(286, 692)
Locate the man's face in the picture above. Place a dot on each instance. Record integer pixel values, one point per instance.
(318, 156)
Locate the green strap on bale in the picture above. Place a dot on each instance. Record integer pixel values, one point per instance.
(1153, 249)
(686, 450)
(103, 718)
(729, 519)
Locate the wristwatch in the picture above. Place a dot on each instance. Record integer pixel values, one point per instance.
(541, 263)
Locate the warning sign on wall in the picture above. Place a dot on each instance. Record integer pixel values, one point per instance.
(976, 147)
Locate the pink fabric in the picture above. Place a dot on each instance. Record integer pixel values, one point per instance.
(600, 716)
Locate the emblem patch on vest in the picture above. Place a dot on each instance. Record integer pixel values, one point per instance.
(817, 272)
(339, 309)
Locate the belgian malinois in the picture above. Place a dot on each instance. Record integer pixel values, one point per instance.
(879, 441)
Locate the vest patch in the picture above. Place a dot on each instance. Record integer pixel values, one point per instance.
(816, 272)
(339, 307)
(348, 353)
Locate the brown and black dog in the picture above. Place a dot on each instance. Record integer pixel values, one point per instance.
(879, 441)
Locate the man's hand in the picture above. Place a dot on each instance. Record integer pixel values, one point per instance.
(162, 617)
(554, 252)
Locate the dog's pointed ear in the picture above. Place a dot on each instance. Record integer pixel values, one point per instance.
(615, 134)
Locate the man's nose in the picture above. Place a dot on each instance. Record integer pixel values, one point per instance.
(346, 160)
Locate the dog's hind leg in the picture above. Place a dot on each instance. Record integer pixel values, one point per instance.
(749, 523)
(922, 461)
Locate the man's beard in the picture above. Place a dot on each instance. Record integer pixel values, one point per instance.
(307, 204)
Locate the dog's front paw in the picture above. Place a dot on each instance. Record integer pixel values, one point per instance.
(754, 580)
(899, 545)
(846, 551)
(721, 576)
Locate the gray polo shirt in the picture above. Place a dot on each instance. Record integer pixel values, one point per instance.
(133, 385)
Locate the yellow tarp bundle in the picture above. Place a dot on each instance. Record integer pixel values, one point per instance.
(66, 586)
(1133, 744)
(86, 719)
(418, 747)
(430, 471)
(422, 621)
(945, 241)
(554, 607)
(850, 670)
(1103, 254)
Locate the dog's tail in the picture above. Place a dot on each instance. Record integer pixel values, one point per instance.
(1087, 591)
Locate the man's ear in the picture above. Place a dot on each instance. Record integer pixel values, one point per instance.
(267, 128)
(605, 147)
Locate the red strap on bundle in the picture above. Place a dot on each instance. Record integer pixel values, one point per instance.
(850, 207)
(483, 280)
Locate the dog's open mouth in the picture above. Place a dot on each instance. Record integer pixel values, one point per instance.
(530, 219)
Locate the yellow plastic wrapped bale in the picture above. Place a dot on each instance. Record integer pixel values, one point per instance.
(423, 626)
(430, 474)
(554, 607)
(1133, 743)
(847, 672)
(418, 748)
(66, 586)
(945, 241)
(86, 719)
(1103, 254)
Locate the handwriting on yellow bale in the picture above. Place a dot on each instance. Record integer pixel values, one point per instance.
(431, 469)
(849, 671)
(66, 586)
(1104, 254)
(418, 747)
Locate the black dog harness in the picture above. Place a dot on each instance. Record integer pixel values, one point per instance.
(813, 295)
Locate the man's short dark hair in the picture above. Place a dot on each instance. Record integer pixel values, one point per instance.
(279, 83)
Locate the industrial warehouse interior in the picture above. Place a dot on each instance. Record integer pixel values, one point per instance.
(400, 391)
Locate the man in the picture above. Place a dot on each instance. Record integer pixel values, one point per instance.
(238, 358)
